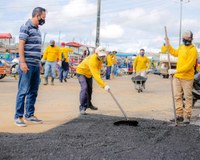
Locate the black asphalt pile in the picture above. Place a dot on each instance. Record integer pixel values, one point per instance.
(94, 137)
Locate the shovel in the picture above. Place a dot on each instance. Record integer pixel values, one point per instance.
(123, 122)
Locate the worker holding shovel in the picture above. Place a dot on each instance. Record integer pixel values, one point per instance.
(86, 70)
(183, 76)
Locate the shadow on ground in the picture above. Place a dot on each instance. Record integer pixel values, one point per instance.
(94, 137)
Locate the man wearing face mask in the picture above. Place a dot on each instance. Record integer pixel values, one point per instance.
(141, 64)
(183, 76)
(29, 71)
(51, 55)
(90, 68)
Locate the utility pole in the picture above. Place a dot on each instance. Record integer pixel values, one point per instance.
(43, 42)
(180, 28)
(59, 38)
(98, 22)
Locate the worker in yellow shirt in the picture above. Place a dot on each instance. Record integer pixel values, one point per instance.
(51, 55)
(164, 48)
(183, 76)
(64, 62)
(90, 68)
(109, 65)
(114, 63)
(141, 64)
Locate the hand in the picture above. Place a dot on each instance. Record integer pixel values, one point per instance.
(134, 71)
(107, 88)
(42, 60)
(59, 63)
(24, 67)
(171, 71)
(167, 41)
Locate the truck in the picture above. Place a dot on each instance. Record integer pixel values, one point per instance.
(164, 64)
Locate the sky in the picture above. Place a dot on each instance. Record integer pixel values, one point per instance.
(126, 25)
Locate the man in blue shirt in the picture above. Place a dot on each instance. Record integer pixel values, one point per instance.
(29, 71)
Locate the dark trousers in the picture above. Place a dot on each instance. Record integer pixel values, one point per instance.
(108, 72)
(86, 91)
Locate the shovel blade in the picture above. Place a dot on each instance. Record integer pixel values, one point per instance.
(126, 122)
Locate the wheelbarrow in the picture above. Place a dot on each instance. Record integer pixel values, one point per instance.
(139, 82)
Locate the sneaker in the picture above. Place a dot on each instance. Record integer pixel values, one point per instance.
(33, 119)
(93, 107)
(186, 120)
(20, 122)
(82, 112)
(178, 119)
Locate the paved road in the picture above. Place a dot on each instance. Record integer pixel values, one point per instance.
(59, 103)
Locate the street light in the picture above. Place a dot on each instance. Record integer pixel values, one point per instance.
(181, 10)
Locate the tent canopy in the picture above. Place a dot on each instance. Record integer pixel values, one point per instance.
(5, 36)
(125, 54)
(74, 44)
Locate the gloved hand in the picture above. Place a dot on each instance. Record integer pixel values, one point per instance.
(42, 61)
(171, 71)
(107, 88)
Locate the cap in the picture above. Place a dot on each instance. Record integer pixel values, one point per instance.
(52, 42)
(62, 43)
(187, 34)
(101, 51)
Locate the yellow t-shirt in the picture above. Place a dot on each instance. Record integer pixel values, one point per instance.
(51, 54)
(163, 49)
(114, 59)
(90, 67)
(141, 63)
(65, 52)
(187, 56)
(109, 60)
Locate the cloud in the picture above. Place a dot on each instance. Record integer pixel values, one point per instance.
(111, 31)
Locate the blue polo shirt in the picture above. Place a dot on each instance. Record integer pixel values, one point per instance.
(33, 43)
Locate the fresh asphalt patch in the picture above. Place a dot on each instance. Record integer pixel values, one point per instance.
(94, 137)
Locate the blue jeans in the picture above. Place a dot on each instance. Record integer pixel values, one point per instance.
(63, 71)
(28, 86)
(86, 91)
(50, 67)
(108, 72)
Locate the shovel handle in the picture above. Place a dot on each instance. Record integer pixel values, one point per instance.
(118, 104)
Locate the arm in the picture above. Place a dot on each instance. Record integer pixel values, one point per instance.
(45, 54)
(173, 51)
(135, 63)
(23, 65)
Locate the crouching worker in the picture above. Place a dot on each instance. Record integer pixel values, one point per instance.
(86, 70)
(183, 76)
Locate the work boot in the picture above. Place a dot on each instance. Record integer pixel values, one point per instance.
(178, 119)
(186, 120)
(46, 81)
(52, 81)
(93, 107)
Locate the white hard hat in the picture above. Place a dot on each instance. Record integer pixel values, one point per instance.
(100, 51)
